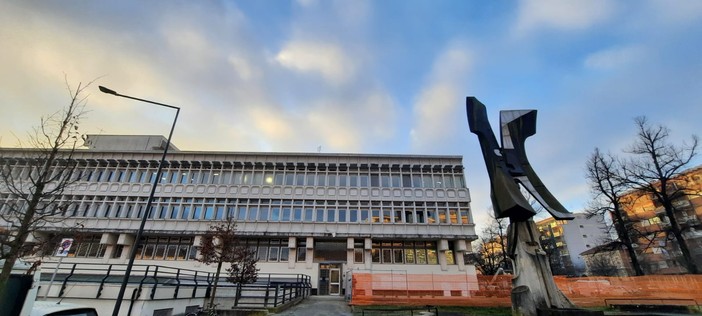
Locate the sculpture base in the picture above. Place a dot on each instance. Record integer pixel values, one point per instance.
(533, 287)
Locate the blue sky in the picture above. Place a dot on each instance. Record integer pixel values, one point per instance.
(362, 76)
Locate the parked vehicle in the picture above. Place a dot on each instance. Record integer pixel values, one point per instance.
(44, 308)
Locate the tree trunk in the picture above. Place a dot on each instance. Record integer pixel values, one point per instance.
(682, 243)
(214, 290)
(626, 239)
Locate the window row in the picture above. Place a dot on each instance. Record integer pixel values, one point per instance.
(408, 252)
(406, 179)
(166, 248)
(269, 250)
(261, 210)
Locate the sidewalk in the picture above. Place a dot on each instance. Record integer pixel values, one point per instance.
(319, 306)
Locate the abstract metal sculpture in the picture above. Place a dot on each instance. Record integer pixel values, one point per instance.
(533, 289)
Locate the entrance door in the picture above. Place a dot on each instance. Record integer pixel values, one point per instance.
(329, 279)
(335, 281)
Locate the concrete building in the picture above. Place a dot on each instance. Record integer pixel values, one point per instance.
(656, 246)
(322, 215)
(566, 240)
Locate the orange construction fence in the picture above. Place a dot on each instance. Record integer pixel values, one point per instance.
(399, 288)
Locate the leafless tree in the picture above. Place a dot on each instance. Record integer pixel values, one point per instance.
(221, 244)
(34, 183)
(653, 169)
(242, 269)
(603, 265)
(490, 253)
(608, 185)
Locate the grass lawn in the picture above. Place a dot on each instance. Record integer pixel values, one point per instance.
(443, 310)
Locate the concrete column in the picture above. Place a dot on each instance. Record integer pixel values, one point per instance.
(349, 253)
(126, 240)
(292, 254)
(110, 242)
(459, 247)
(310, 253)
(368, 257)
(443, 246)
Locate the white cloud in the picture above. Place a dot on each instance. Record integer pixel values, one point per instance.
(440, 102)
(326, 59)
(614, 58)
(562, 14)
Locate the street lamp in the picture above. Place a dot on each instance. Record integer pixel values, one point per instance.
(145, 215)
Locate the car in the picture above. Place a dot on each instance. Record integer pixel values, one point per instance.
(46, 308)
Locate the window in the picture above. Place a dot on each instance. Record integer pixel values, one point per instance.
(342, 216)
(301, 251)
(297, 215)
(209, 212)
(263, 214)
(253, 212)
(275, 214)
(358, 248)
(284, 253)
(198, 212)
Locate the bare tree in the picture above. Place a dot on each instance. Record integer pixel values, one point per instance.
(656, 164)
(608, 185)
(217, 246)
(490, 254)
(34, 183)
(242, 269)
(603, 265)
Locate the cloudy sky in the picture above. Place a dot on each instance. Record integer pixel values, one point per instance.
(356, 76)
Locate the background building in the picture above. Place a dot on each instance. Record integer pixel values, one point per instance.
(656, 247)
(564, 241)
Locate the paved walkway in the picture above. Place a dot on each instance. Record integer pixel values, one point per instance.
(319, 306)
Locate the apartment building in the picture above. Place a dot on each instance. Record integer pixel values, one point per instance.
(657, 248)
(564, 241)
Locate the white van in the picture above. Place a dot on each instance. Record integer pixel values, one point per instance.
(44, 308)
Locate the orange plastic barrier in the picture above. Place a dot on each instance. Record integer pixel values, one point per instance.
(464, 290)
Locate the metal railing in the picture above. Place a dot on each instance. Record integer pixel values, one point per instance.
(270, 289)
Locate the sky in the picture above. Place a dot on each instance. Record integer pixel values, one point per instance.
(359, 76)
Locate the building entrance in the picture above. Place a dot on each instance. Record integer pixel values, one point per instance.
(329, 279)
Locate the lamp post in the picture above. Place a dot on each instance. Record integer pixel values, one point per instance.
(137, 239)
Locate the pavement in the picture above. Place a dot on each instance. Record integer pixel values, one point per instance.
(319, 306)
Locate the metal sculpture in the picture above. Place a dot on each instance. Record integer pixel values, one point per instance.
(533, 288)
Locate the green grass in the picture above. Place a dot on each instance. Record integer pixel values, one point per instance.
(443, 310)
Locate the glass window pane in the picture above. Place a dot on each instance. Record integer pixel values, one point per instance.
(284, 254)
(331, 214)
(273, 253)
(342, 216)
(286, 214)
(263, 214)
(253, 213)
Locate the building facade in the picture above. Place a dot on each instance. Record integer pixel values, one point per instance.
(323, 215)
(564, 241)
(656, 247)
